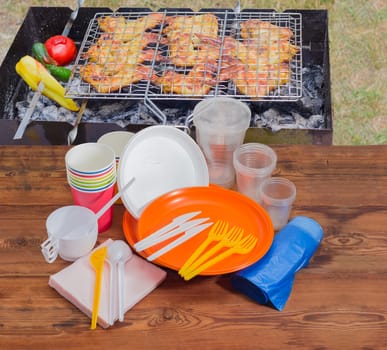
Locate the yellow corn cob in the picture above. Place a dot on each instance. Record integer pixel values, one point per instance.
(33, 72)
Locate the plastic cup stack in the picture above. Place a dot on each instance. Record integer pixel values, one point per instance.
(91, 174)
(253, 162)
(221, 124)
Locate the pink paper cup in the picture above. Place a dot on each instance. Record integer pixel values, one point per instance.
(95, 201)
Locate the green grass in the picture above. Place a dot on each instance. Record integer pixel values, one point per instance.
(358, 48)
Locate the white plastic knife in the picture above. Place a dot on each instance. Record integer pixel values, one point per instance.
(189, 234)
(173, 224)
(140, 246)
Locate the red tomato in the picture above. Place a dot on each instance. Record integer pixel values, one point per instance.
(61, 48)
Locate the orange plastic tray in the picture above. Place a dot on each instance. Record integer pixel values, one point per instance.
(215, 203)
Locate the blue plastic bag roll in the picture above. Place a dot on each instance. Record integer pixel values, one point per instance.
(270, 280)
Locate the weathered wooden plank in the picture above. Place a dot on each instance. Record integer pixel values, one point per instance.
(338, 302)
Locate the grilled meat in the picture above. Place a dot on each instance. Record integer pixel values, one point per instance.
(124, 30)
(263, 31)
(181, 33)
(95, 75)
(197, 57)
(255, 82)
(199, 81)
(177, 26)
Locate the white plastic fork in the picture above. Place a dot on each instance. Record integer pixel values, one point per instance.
(72, 135)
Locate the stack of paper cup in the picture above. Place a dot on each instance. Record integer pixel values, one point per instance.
(91, 174)
(117, 140)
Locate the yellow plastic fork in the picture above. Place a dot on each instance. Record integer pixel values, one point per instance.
(97, 259)
(245, 246)
(229, 240)
(217, 232)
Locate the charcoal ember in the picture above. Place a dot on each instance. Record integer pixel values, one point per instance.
(143, 116)
(312, 100)
(111, 112)
(310, 105)
(275, 119)
(136, 113)
(306, 112)
(316, 121)
(175, 116)
(45, 110)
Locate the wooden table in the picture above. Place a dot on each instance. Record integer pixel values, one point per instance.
(338, 302)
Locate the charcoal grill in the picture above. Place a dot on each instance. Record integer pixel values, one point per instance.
(41, 22)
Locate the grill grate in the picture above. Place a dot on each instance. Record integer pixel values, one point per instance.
(188, 55)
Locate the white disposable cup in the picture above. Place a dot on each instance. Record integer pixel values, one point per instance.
(277, 195)
(73, 230)
(90, 158)
(221, 124)
(117, 140)
(253, 163)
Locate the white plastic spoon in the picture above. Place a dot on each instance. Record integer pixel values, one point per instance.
(114, 199)
(118, 254)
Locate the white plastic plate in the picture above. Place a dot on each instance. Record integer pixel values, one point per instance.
(161, 159)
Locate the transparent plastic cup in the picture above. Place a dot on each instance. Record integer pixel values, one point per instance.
(277, 195)
(221, 124)
(253, 163)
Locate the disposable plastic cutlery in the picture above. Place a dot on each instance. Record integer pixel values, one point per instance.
(217, 232)
(229, 240)
(182, 228)
(245, 246)
(118, 254)
(186, 236)
(72, 135)
(176, 222)
(97, 259)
